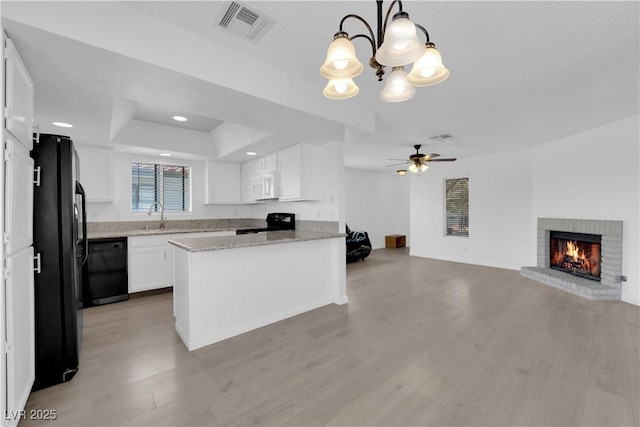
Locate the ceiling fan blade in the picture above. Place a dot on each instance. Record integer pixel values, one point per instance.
(400, 160)
(442, 160)
(432, 155)
(396, 164)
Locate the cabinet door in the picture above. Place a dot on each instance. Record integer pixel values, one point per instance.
(19, 97)
(290, 173)
(270, 162)
(223, 183)
(247, 177)
(150, 268)
(18, 208)
(96, 172)
(299, 173)
(20, 332)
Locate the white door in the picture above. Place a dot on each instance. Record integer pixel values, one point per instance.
(19, 97)
(20, 332)
(18, 207)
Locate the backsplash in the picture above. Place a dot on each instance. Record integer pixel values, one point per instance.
(204, 224)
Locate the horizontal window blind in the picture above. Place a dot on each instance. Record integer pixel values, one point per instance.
(457, 207)
(166, 184)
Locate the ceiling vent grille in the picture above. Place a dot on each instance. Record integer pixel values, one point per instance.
(243, 22)
(440, 138)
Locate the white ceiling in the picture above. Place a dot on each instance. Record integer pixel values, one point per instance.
(522, 74)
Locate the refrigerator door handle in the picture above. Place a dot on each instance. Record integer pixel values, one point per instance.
(36, 177)
(37, 263)
(85, 240)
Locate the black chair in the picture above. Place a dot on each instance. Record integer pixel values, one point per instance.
(358, 245)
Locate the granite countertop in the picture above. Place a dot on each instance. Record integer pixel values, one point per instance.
(202, 244)
(154, 231)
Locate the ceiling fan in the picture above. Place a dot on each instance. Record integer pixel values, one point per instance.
(418, 162)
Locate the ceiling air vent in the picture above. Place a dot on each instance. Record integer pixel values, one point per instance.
(440, 138)
(249, 24)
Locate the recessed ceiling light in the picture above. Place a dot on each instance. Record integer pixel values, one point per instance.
(179, 118)
(166, 154)
(251, 153)
(62, 124)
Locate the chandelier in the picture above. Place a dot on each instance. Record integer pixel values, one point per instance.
(396, 45)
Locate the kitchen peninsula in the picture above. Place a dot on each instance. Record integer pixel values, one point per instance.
(227, 285)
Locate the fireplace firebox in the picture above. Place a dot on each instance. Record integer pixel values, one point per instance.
(576, 253)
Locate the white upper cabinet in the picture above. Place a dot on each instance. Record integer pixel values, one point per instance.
(96, 172)
(19, 96)
(248, 171)
(264, 164)
(299, 173)
(223, 183)
(18, 207)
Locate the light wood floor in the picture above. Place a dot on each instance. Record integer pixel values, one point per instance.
(422, 342)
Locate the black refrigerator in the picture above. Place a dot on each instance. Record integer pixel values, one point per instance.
(60, 238)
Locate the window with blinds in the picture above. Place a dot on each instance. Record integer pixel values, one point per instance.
(166, 184)
(457, 207)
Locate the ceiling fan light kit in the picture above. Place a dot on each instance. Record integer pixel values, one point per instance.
(418, 162)
(396, 45)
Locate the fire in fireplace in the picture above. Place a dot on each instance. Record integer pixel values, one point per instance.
(576, 253)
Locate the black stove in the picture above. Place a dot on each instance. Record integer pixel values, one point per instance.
(275, 222)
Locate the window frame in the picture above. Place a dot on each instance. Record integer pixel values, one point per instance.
(159, 187)
(445, 207)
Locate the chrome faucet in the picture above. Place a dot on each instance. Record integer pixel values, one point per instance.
(161, 213)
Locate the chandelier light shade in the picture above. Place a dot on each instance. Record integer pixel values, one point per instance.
(341, 89)
(341, 59)
(428, 70)
(401, 172)
(401, 45)
(397, 89)
(396, 44)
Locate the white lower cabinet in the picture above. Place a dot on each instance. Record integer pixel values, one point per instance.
(150, 259)
(150, 268)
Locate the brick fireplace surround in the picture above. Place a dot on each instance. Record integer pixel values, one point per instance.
(610, 286)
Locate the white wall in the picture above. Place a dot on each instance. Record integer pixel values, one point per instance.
(378, 203)
(594, 175)
(501, 225)
(591, 175)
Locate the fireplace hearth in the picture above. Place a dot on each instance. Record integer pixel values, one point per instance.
(575, 253)
(582, 257)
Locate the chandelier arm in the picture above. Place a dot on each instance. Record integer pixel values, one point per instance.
(421, 28)
(373, 43)
(359, 18)
(381, 29)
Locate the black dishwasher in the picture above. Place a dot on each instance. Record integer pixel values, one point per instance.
(105, 278)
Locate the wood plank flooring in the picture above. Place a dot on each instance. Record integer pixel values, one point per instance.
(422, 342)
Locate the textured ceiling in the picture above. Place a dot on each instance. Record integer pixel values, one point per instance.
(522, 73)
